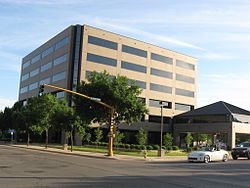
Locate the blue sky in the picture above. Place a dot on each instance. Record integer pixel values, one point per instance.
(216, 32)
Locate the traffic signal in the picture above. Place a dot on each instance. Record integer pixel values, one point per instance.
(41, 90)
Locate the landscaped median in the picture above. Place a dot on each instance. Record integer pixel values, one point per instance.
(123, 151)
(101, 151)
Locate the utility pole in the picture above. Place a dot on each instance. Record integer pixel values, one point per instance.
(97, 100)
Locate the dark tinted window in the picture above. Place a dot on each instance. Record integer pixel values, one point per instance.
(102, 42)
(102, 60)
(185, 65)
(139, 83)
(24, 89)
(45, 81)
(184, 78)
(183, 107)
(26, 64)
(88, 73)
(46, 66)
(35, 59)
(161, 58)
(158, 103)
(59, 76)
(161, 88)
(25, 76)
(184, 92)
(34, 72)
(161, 73)
(60, 59)
(134, 51)
(61, 43)
(133, 67)
(157, 119)
(47, 51)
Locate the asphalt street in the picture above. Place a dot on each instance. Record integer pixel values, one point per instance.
(27, 168)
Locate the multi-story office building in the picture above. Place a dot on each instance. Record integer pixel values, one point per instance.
(69, 57)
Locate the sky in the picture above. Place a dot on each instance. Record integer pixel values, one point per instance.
(217, 33)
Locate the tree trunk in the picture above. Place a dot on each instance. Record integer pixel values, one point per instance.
(65, 140)
(47, 138)
(71, 137)
(28, 138)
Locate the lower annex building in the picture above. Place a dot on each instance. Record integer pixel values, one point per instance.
(70, 56)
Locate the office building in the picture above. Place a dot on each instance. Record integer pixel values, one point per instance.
(69, 57)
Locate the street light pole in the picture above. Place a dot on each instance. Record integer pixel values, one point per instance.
(161, 129)
(97, 100)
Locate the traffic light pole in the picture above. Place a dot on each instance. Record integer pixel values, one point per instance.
(111, 127)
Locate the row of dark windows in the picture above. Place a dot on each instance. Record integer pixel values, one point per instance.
(138, 68)
(46, 52)
(56, 77)
(45, 67)
(158, 87)
(138, 52)
(166, 104)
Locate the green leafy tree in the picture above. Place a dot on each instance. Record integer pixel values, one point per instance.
(117, 92)
(119, 137)
(98, 134)
(168, 140)
(62, 118)
(87, 137)
(188, 139)
(43, 107)
(141, 137)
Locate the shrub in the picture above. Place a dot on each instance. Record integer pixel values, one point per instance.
(132, 146)
(156, 147)
(169, 148)
(104, 144)
(119, 145)
(127, 146)
(189, 149)
(138, 147)
(143, 147)
(175, 148)
(195, 148)
(150, 147)
(163, 147)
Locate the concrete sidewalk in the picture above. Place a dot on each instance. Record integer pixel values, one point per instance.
(98, 155)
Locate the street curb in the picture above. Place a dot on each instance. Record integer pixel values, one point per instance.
(116, 157)
(63, 153)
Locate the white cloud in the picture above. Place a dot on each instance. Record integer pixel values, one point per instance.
(147, 35)
(4, 102)
(228, 87)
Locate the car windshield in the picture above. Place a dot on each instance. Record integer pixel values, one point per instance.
(206, 149)
(246, 144)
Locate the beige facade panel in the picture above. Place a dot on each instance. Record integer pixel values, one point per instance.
(93, 49)
(91, 66)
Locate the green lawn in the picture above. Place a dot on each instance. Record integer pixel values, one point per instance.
(127, 152)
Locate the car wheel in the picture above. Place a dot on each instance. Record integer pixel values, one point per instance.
(248, 155)
(234, 157)
(206, 159)
(225, 158)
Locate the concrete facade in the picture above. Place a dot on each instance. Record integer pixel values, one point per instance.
(68, 58)
(226, 119)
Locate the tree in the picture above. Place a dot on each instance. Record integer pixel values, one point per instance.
(116, 92)
(43, 108)
(141, 137)
(119, 137)
(188, 139)
(168, 140)
(61, 119)
(98, 134)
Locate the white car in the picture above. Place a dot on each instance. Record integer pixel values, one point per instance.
(208, 154)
